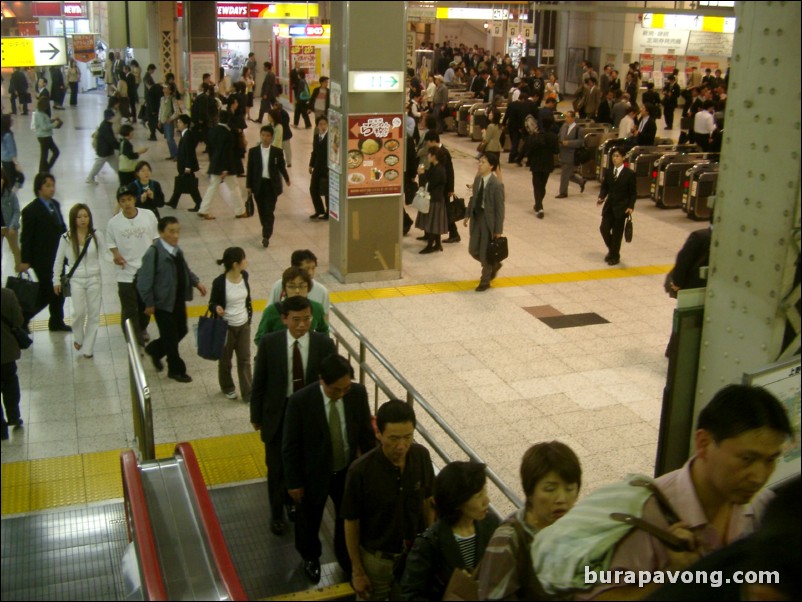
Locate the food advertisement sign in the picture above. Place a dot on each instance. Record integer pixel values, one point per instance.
(375, 155)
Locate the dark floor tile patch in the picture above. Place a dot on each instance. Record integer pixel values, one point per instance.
(574, 320)
(543, 311)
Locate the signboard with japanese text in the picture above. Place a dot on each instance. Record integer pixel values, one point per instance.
(83, 47)
(375, 155)
(200, 63)
(422, 14)
(528, 32)
(708, 43)
(659, 41)
(33, 52)
(304, 57)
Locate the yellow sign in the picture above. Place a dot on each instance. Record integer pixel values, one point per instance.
(33, 52)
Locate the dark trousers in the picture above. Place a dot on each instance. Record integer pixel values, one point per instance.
(319, 186)
(46, 145)
(132, 102)
(307, 524)
(132, 308)
(14, 176)
(172, 328)
(452, 230)
(264, 107)
(612, 231)
(186, 184)
(9, 384)
(668, 112)
(276, 491)
(539, 179)
(153, 120)
(23, 100)
(515, 140)
(47, 297)
(301, 110)
(73, 94)
(266, 204)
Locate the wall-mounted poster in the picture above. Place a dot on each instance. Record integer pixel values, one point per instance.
(335, 138)
(375, 155)
(200, 63)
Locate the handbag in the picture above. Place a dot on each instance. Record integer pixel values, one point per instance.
(66, 288)
(456, 209)
(23, 339)
(422, 200)
(481, 147)
(26, 289)
(497, 250)
(582, 155)
(211, 334)
(628, 229)
(250, 206)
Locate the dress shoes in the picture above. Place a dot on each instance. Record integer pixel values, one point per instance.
(315, 215)
(265, 242)
(277, 527)
(540, 214)
(324, 217)
(206, 216)
(157, 362)
(242, 216)
(452, 239)
(561, 196)
(194, 210)
(427, 250)
(613, 261)
(60, 328)
(607, 257)
(483, 286)
(424, 237)
(182, 378)
(172, 205)
(312, 570)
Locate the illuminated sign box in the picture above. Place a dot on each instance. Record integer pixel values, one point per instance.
(260, 10)
(375, 81)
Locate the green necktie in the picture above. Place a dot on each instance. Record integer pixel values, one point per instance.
(337, 444)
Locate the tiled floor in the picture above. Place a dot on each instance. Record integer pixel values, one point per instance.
(501, 376)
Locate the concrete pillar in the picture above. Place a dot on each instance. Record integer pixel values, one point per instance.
(365, 238)
(751, 311)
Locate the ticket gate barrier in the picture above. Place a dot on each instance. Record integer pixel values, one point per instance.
(668, 176)
(641, 158)
(463, 117)
(699, 185)
(478, 114)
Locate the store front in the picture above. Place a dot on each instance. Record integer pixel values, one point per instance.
(302, 46)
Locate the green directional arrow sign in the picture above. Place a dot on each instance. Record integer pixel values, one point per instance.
(375, 81)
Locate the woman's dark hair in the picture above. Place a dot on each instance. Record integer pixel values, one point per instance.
(543, 458)
(140, 165)
(231, 256)
(275, 115)
(394, 411)
(43, 104)
(457, 483)
(73, 219)
(293, 272)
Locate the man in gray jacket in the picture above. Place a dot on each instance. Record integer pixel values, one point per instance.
(570, 139)
(165, 284)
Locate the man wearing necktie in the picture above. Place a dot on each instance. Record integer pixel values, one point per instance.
(286, 361)
(266, 169)
(618, 193)
(319, 169)
(41, 228)
(327, 426)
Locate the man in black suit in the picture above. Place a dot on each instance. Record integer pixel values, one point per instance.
(513, 122)
(222, 146)
(647, 127)
(42, 227)
(605, 112)
(618, 193)
(18, 89)
(266, 168)
(319, 169)
(286, 361)
(327, 426)
(186, 182)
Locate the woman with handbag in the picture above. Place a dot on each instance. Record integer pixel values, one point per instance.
(231, 300)
(247, 79)
(435, 222)
(73, 79)
(302, 101)
(79, 251)
(148, 192)
(551, 477)
(237, 125)
(458, 538)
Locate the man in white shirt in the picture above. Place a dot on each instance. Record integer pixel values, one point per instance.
(627, 123)
(266, 168)
(704, 124)
(128, 235)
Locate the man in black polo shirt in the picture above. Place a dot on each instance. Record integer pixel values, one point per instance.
(387, 501)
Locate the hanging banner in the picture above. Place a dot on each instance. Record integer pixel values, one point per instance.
(375, 155)
(498, 29)
(83, 47)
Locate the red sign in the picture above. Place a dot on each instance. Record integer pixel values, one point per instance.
(72, 9)
(83, 47)
(231, 10)
(375, 151)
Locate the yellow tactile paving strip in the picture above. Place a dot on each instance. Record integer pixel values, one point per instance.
(55, 482)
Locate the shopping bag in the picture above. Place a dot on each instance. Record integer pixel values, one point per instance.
(26, 289)
(211, 334)
(422, 200)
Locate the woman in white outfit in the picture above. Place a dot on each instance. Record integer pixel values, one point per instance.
(85, 281)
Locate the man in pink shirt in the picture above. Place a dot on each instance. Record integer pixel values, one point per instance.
(717, 493)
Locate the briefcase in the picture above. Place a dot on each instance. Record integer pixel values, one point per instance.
(628, 229)
(26, 290)
(497, 250)
(187, 183)
(456, 209)
(250, 206)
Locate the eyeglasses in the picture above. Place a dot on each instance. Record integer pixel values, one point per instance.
(297, 287)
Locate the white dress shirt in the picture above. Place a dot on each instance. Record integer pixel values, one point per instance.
(265, 161)
(303, 346)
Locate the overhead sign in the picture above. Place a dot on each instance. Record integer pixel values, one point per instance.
(260, 10)
(710, 44)
(375, 81)
(33, 52)
(659, 41)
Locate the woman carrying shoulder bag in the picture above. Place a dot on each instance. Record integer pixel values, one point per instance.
(79, 252)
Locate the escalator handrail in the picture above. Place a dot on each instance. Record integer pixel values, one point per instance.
(211, 525)
(142, 531)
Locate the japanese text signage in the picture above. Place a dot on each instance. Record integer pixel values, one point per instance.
(34, 52)
(259, 10)
(375, 155)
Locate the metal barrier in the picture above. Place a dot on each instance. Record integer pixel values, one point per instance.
(412, 397)
(140, 398)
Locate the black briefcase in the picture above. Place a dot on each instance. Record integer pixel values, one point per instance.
(186, 183)
(497, 250)
(455, 208)
(628, 229)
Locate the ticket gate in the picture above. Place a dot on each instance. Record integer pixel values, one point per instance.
(699, 185)
(463, 117)
(478, 114)
(593, 139)
(668, 176)
(642, 158)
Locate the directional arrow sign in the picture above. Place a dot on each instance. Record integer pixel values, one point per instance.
(33, 52)
(375, 81)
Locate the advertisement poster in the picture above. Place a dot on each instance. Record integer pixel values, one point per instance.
(83, 47)
(200, 63)
(334, 197)
(303, 57)
(335, 94)
(375, 155)
(335, 140)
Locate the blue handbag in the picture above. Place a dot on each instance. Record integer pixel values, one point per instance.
(211, 334)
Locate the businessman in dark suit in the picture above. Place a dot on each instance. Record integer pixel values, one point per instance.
(618, 193)
(42, 227)
(223, 168)
(319, 169)
(327, 426)
(286, 361)
(647, 126)
(186, 182)
(266, 168)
